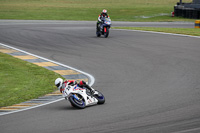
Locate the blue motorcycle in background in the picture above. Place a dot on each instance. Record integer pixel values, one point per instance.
(104, 27)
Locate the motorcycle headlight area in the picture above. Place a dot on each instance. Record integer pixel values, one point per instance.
(108, 22)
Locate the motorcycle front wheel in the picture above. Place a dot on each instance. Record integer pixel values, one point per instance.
(80, 104)
(106, 32)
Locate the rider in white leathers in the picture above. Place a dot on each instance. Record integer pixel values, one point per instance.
(61, 85)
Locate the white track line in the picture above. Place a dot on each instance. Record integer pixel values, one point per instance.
(189, 130)
(92, 79)
(163, 33)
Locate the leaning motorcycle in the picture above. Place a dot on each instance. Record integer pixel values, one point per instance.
(104, 28)
(82, 97)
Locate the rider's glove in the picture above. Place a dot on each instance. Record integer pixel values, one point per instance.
(74, 82)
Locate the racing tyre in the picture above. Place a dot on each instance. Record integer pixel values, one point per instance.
(80, 104)
(100, 97)
(98, 34)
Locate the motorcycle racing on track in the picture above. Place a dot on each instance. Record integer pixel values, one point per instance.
(79, 95)
(103, 24)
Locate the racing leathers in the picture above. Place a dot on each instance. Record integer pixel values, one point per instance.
(80, 84)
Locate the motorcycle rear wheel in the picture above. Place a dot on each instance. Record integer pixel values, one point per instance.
(98, 34)
(100, 97)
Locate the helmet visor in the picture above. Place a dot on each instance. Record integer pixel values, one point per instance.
(58, 84)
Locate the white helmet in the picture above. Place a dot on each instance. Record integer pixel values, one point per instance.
(104, 11)
(59, 82)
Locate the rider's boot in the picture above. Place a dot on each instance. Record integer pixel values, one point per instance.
(91, 89)
(98, 27)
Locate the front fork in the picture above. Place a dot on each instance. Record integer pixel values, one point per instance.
(77, 97)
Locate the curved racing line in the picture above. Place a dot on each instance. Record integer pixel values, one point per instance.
(64, 70)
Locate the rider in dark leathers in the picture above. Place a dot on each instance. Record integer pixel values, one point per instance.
(99, 22)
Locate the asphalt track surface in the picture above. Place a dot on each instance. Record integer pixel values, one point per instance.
(151, 81)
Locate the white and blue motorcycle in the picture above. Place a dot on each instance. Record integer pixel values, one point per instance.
(82, 97)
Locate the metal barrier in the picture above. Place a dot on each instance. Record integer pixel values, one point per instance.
(187, 13)
(188, 10)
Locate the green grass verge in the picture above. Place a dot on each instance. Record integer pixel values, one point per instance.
(119, 10)
(185, 31)
(22, 81)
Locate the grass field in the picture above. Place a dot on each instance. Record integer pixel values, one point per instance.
(21, 80)
(119, 10)
(185, 31)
